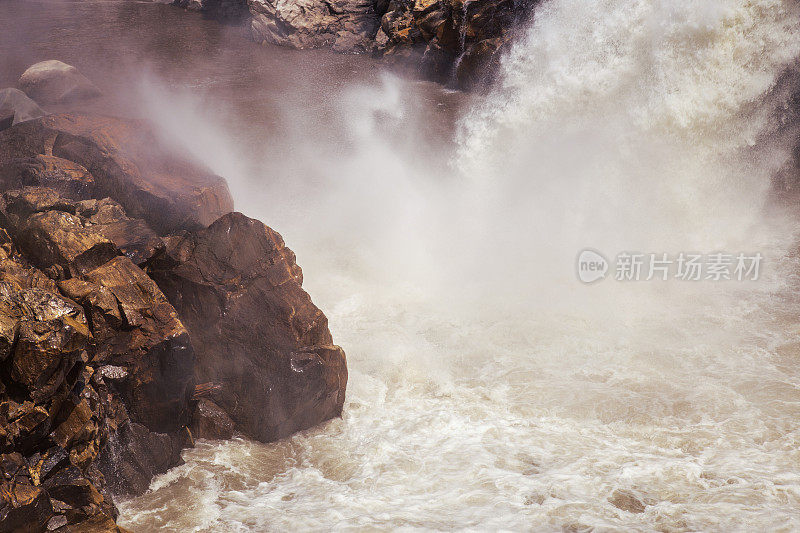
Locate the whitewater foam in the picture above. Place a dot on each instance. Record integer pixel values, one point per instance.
(489, 389)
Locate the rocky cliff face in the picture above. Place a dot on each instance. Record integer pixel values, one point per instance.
(456, 42)
(453, 41)
(135, 308)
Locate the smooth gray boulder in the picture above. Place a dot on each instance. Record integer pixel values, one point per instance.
(53, 82)
(16, 107)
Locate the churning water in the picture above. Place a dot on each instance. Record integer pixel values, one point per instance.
(489, 389)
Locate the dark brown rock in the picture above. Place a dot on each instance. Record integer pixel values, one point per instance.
(43, 465)
(53, 423)
(256, 332)
(11, 464)
(6, 118)
(479, 62)
(211, 422)
(134, 455)
(69, 486)
(25, 425)
(153, 346)
(60, 239)
(129, 164)
(69, 179)
(456, 42)
(133, 237)
(23, 507)
(52, 332)
(17, 273)
(101, 307)
(19, 204)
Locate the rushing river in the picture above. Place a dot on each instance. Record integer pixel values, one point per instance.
(490, 389)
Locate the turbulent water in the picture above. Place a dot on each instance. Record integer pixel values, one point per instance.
(490, 389)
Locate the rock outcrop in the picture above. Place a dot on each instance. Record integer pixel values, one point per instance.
(96, 368)
(54, 82)
(238, 289)
(128, 323)
(130, 164)
(53, 420)
(61, 175)
(455, 42)
(786, 97)
(101, 321)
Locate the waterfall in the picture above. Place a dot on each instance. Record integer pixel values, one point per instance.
(489, 388)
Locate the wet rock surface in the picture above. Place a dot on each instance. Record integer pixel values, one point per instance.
(238, 289)
(52, 420)
(210, 421)
(69, 179)
(456, 42)
(626, 500)
(130, 164)
(98, 373)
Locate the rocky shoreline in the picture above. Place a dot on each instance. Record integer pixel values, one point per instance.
(454, 42)
(138, 313)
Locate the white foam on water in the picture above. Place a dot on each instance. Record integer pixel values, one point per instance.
(489, 389)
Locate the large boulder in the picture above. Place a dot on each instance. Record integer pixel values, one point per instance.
(16, 107)
(256, 333)
(344, 25)
(129, 164)
(50, 336)
(51, 82)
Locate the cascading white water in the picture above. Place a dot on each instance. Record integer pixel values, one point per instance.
(489, 388)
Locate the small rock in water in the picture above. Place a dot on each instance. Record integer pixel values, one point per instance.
(55, 82)
(627, 501)
(211, 422)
